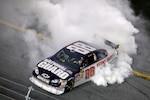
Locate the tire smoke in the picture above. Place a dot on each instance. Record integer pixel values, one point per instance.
(92, 21)
(66, 21)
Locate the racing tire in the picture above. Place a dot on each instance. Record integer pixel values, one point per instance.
(69, 85)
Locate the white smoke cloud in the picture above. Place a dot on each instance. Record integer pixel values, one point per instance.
(92, 20)
(86, 20)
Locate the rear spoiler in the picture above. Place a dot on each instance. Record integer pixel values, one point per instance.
(113, 45)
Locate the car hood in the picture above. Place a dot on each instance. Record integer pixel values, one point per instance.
(54, 68)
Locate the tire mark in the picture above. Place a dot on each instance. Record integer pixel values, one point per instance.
(137, 88)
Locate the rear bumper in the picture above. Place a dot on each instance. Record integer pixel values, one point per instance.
(46, 87)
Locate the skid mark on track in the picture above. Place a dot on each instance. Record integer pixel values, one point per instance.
(136, 86)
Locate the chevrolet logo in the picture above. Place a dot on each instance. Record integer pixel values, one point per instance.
(45, 75)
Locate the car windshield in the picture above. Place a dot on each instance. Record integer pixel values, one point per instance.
(68, 58)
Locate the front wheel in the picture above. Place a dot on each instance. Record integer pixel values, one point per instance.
(69, 85)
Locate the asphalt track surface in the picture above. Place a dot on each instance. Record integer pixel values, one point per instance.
(15, 73)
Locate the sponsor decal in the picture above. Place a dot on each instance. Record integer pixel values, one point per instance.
(105, 60)
(109, 58)
(89, 72)
(79, 76)
(70, 72)
(81, 48)
(45, 75)
(101, 62)
(55, 68)
(43, 79)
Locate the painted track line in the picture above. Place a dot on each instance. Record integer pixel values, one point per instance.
(142, 75)
(13, 82)
(13, 26)
(6, 96)
(24, 87)
(12, 91)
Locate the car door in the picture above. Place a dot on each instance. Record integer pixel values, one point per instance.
(87, 70)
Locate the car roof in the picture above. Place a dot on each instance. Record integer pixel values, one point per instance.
(77, 50)
(80, 47)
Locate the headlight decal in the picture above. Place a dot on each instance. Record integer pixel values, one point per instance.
(63, 82)
(37, 70)
(55, 81)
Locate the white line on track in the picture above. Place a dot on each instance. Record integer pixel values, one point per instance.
(24, 87)
(12, 91)
(6, 96)
(13, 82)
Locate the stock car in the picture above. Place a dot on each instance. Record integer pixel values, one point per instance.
(72, 66)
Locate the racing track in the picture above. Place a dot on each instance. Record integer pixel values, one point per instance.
(15, 72)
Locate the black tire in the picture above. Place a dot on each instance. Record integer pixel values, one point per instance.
(69, 85)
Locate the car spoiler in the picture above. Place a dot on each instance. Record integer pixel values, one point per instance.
(113, 45)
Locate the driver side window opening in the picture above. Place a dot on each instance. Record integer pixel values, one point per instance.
(101, 54)
(90, 59)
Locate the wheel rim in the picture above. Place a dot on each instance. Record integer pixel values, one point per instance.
(70, 85)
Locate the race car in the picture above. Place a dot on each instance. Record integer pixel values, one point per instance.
(72, 66)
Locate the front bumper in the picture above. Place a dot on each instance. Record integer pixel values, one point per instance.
(47, 87)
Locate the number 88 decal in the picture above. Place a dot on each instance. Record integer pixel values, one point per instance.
(81, 48)
(89, 72)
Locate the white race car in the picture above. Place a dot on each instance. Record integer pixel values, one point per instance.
(72, 66)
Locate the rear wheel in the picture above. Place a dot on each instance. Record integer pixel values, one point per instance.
(69, 85)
